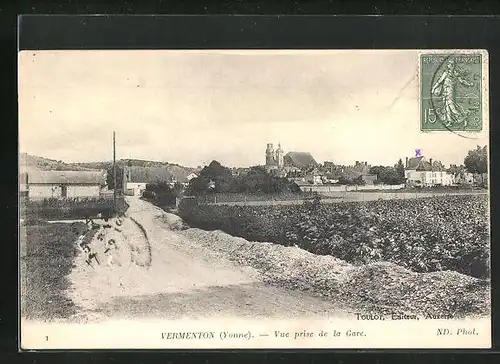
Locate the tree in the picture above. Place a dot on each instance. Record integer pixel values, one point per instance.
(345, 181)
(256, 180)
(400, 169)
(359, 181)
(178, 189)
(438, 166)
(119, 177)
(219, 174)
(215, 172)
(387, 175)
(197, 186)
(162, 193)
(476, 161)
(456, 170)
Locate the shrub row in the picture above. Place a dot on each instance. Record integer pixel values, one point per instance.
(70, 208)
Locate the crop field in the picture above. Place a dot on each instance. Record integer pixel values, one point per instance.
(422, 234)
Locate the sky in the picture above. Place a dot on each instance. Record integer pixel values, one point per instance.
(192, 107)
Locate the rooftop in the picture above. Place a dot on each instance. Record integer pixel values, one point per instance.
(419, 164)
(300, 159)
(159, 174)
(65, 177)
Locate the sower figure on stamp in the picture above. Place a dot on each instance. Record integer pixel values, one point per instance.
(445, 87)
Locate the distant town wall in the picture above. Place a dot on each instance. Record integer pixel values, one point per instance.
(342, 188)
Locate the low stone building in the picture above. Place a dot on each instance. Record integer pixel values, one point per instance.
(62, 184)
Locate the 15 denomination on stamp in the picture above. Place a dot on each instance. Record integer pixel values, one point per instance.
(451, 92)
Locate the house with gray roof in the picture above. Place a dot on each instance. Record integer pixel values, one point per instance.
(62, 184)
(300, 160)
(422, 173)
(358, 171)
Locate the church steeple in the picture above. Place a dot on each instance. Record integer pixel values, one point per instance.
(269, 155)
(279, 156)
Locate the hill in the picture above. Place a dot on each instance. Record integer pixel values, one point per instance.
(29, 162)
(152, 170)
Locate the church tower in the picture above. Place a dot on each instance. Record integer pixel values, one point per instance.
(279, 156)
(270, 155)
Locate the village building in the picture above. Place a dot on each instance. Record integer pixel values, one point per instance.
(315, 177)
(422, 173)
(465, 178)
(299, 160)
(329, 166)
(38, 185)
(290, 164)
(191, 176)
(330, 178)
(136, 179)
(361, 171)
(469, 179)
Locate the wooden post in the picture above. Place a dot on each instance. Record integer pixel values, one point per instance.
(114, 173)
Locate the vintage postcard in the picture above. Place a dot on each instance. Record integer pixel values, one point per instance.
(194, 199)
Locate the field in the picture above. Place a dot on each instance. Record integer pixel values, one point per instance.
(47, 252)
(422, 234)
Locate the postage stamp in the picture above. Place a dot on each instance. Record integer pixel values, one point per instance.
(451, 92)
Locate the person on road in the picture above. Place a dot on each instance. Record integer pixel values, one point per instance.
(118, 224)
(111, 250)
(111, 244)
(91, 255)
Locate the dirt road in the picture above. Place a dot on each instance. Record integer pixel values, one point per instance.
(157, 272)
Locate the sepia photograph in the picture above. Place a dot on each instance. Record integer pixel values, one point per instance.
(227, 199)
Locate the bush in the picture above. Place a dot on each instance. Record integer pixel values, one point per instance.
(424, 235)
(149, 195)
(216, 178)
(161, 194)
(70, 208)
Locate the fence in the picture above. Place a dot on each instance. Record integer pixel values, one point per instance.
(330, 197)
(342, 188)
(248, 197)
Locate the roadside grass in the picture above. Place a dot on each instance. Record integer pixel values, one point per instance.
(47, 254)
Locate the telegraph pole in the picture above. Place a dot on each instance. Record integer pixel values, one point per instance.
(114, 172)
